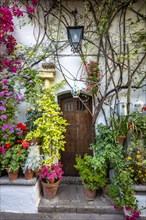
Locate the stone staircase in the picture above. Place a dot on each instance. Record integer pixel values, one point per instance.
(71, 204)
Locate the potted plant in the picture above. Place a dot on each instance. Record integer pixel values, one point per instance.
(50, 126)
(92, 172)
(33, 162)
(50, 176)
(136, 161)
(12, 159)
(120, 126)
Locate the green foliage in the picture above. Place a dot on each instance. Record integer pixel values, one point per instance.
(32, 83)
(121, 190)
(107, 147)
(139, 124)
(32, 114)
(92, 171)
(50, 126)
(120, 125)
(14, 157)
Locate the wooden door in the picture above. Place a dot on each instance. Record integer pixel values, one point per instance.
(79, 131)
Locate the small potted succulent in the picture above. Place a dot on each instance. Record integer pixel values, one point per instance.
(33, 162)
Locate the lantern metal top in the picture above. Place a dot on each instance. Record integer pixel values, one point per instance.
(75, 35)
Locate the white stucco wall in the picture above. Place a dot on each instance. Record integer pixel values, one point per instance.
(19, 198)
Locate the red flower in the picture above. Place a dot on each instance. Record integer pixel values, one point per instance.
(22, 126)
(144, 108)
(7, 145)
(19, 141)
(25, 144)
(19, 152)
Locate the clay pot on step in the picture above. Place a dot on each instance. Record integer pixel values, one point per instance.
(50, 189)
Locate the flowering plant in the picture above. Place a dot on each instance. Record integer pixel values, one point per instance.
(51, 173)
(9, 100)
(136, 162)
(13, 156)
(12, 134)
(93, 76)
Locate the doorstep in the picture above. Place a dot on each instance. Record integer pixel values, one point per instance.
(71, 203)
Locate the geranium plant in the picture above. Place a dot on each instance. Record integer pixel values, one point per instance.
(14, 156)
(51, 173)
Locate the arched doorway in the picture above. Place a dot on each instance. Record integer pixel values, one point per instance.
(79, 132)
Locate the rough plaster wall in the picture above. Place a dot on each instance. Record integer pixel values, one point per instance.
(22, 199)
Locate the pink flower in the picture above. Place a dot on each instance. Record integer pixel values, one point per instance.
(4, 81)
(16, 11)
(135, 213)
(35, 2)
(30, 10)
(127, 208)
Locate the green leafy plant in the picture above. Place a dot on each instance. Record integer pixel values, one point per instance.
(120, 125)
(14, 157)
(138, 124)
(92, 171)
(32, 114)
(50, 126)
(107, 147)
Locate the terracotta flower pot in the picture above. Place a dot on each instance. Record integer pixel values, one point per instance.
(28, 174)
(50, 189)
(13, 175)
(89, 193)
(121, 139)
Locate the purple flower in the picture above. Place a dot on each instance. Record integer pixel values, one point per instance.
(31, 81)
(3, 117)
(6, 135)
(3, 103)
(9, 93)
(2, 93)
(127, 217)
(20, 133)
(5, 87)
(8, 127)
(4, 80)
(2, 108)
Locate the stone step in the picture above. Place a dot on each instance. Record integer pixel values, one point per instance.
(71, 203)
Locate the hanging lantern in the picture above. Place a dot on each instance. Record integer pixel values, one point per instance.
(75, 36)
(75, 92)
